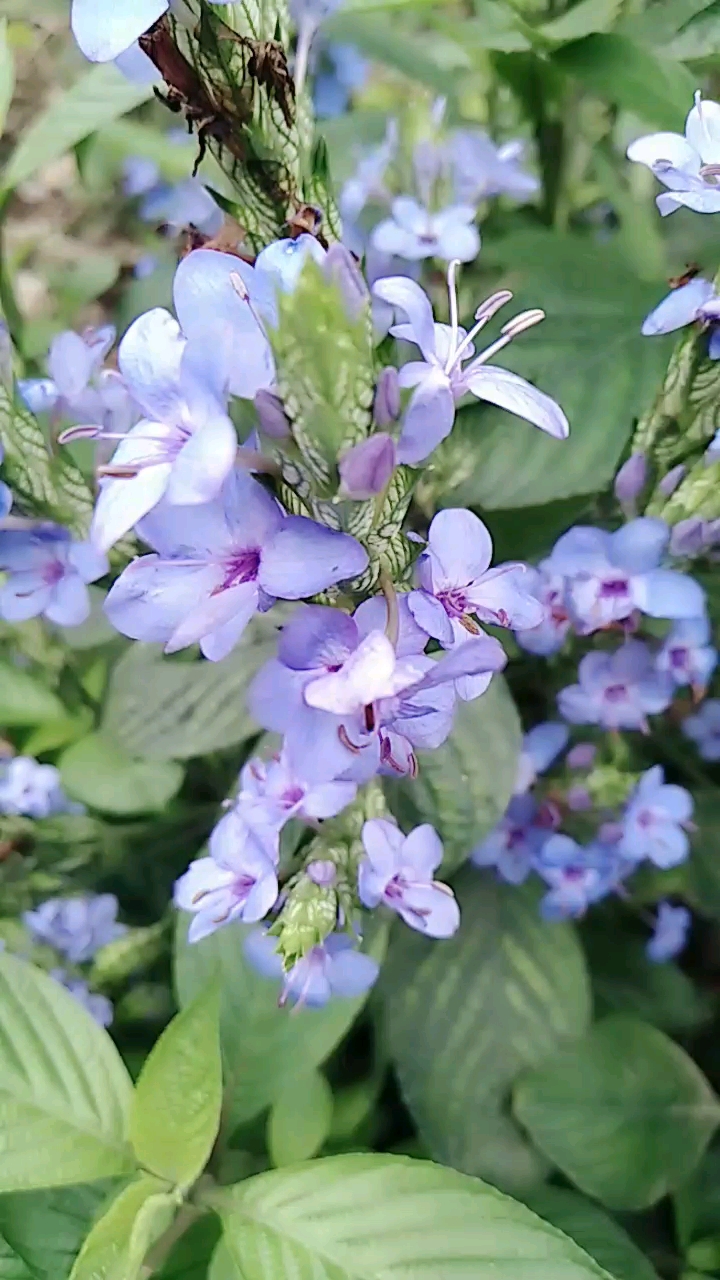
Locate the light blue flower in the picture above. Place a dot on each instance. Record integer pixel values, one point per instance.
(104, 29)
(670, 933)
(703, 728)
(577, 876)
(47, 574)
(184, 204)
(687, 655)
(76, 927)
(238, 881)
(515, 843)
(272, 792)
(549, 590)
(439, 380)
(99, 1007)
(332, 968)
(78, 388)
(481, 169)
(654, 822)
(398, 870)
(541, 746)
(616, 690)
(32, 789)
(693, 302)
(686, 165)
(415, 233)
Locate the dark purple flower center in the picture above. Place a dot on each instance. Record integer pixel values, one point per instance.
(454, 602)
(645, 818)
(516, 837)
(679, 658)
(616, 693)
(291, 796)
(614, 588)
(53, 572)
(241, 567)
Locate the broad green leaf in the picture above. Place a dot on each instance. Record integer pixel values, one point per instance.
(98, 97)
(582, 19)
(659, 24)
(702, 870)
(64, 1092)
(41, 1231)
(190, 1256)
(464, 1017)
(97, 771)
(300, 1119)
(426, 61)
(496, 27)
(24, 699)
(176, 1107)
(625, 1113)
(593, 1229)
(44, 484)
(7, 73)
(116, 1246)
(625, 981)
(464, 786)
(622, 72)
(368, 1217)
(174, 710)
(697, 1201)
(588, 354)
(264, 1048)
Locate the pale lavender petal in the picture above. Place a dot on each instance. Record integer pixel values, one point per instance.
(431, 909)
(69, 604)
(87, 561)
(352, 973)
(544, 743)
(328, 798)
(304, 557)
(371, 672)
(460, 546)
(430, 615)
(500, 599)
(509, 391)
(371, 615)
(423, 851)
(135, 65)
(275, 697)
(407, 296)
(665, 593)
(476, 657)
(204, 462)
(234, 605)
(671, 148)
(702, 201)
(70, 364)
(149, 358)
(679, 308)
(24, 596)
(639, 545)
(152, 597)
(455, 239)
(428, 419)
(366, 468)
(104, 30)
(383, 842)
(317, 636)
(122, 503)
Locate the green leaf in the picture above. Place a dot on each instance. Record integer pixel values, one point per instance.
(44, 484)
(176, 1108)
(464, 1017)
(624, 73)
(264, 1048)
(64, 1092)
(589, 355)
(625, 1114)
(117, 1244)
(24, 700)
(98, 772)
(625, 981)
(703, 871)
(464, 786)
(593, 1229)
(41, 1231)
(368, 1217)
(98, 97)
(697, 1201)
(169, 710)
(382, 39)
(300, 1119)
(189, 1258)
(582, 19)
(7, 73)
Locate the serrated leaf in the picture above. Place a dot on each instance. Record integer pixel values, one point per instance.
(101, 774)
(42, 1231)
(43, 484)
(464, 786)
(97, 97)
(367, 1217)
(463, 1018)
(589, 355)
(116, 1246)
(171, 711)
(264, 1048)
(595, 1231)
(622, 72)
(300, 1119)
(64, 1092)
(24, 700)
(176, 1107)
(7, 73)
(624, 1113)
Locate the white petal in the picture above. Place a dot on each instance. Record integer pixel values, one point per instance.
(104, 28)
(670, 147)
(121, 503)
(508, 391)
(407, 296)
(702, 130)
(460, 547)
(679, 308)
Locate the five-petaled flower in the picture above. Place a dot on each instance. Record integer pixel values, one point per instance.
(655, 821)
(397, 870)
(688, 166)
(47, 573)
(238, 881)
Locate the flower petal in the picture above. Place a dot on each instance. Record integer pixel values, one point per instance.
(219, 607)
(149, 358)
(679, 308)
(423, 851)
(317, 636)
(407, 296)
(122, 503)
(430, 615)
(205, 461)
(431, 909)
(104, 30)
(672, 148)
(152, 597)
(509, 391)
(428, 419)
(383, 842)
(69, 604)
(665, 593)
(640, 544)
(304, 557)
(460, 548)
(702, 129)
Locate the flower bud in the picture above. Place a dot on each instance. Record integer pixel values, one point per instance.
(670, 482)
(271, 415)
(341, 267)
(366, 468)
(581, 756)
(322, 872)
(688, 537)
(579, 799)
(630, 481)
(386, 408)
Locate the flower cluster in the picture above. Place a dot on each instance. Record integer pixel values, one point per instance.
(32, 790)
(77, 928)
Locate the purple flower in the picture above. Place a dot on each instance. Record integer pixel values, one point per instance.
(703, 728)
(548, 588)
(610, 575)
(217, 564)
(654, 821)
(481, 169)
(686, 165)
(183, 204)
(397, 870)
(581, 756)
(541, 746)
(237, 882)
(331, 968)
(459, 590)
(272, 793)
(47, 574)
(670, 933)
(694, 301)
(616, 690)
(440, 379)
(365, 470)
(577, 876)
(630, 482)
(33, 789)
(414, 233)
(687, 656)
(515, 843)
(76, 927)
(78, 388)
(99, 1007)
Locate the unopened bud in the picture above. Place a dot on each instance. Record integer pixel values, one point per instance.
(579, 799)
(670, 482)
(366, 468)
(386, 408)
(581, 756)
(688, 537)
(341, 267)
(271, 415)
(630, 480)
(322, 872)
